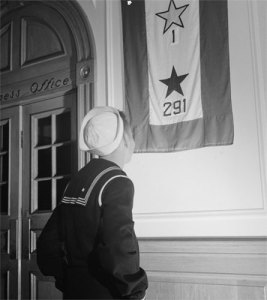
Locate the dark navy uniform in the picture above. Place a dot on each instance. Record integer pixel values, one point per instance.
(102, 249)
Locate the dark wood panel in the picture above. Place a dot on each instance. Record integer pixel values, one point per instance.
(52, 83)
(42, 287)
(5, 48)
(4, 285)
(4, 241)
(40, 44)
(39, 41)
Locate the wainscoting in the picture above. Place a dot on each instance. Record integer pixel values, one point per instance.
(205, 269)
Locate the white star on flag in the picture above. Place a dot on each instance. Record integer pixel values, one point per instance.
(172, 15)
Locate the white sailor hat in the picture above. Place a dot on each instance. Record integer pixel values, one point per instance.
(101, 130)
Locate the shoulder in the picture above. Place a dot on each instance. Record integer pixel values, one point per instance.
(118, 183)
(119, 180)
(119, 186)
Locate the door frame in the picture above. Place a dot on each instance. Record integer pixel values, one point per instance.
(10, 222)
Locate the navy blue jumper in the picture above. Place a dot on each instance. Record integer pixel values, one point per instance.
(102, 249)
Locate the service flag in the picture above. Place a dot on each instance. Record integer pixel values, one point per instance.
(177, 74)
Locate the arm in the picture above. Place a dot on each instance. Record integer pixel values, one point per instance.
(119, 252)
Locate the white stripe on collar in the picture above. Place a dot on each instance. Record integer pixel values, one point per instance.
(83, 201)
(103, 187)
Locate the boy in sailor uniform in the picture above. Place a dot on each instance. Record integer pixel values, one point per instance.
(96, 214)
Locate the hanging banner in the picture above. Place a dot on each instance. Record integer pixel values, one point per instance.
(177, 74)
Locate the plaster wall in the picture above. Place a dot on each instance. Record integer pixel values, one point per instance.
(215, 191)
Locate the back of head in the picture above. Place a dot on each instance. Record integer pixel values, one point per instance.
(102, 130)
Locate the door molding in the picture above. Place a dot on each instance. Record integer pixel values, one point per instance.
(85, 49)
(79, 26)
(84, 44)
(74, 16)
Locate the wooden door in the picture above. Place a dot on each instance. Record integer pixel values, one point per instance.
(38, 156)
(44, 80)
(49, 160)
(9, 205)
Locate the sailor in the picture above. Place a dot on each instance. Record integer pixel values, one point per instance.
(96, 213)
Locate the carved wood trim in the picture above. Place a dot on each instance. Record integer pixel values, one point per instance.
(82, 35)
(79, 26)
(85, 49)
(7, 29)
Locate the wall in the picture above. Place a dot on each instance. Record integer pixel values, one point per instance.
(216, 191)
(262, 12)
(201, 215)
(104, 19)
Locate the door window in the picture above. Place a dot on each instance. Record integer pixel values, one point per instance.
(51, 158)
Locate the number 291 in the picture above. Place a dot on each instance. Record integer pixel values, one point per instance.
(174, 108)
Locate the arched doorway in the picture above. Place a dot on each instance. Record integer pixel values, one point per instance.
(46, 87)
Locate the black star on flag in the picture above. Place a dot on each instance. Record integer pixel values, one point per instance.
(172, 15)
(174, 83)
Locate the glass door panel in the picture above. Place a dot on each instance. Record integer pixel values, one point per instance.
(50, 159)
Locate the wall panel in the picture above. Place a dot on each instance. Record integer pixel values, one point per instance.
(210, 268)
